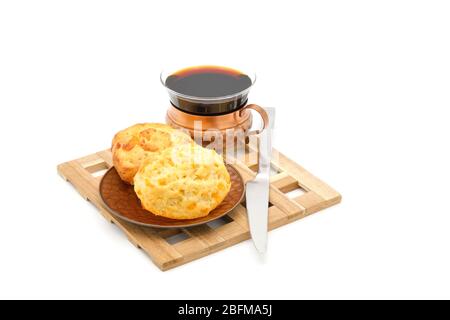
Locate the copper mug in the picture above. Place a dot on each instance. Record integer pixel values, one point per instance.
(226, 115)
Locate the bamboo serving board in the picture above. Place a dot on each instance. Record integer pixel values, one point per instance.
(169, 248)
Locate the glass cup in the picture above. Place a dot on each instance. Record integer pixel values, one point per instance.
(216, 114)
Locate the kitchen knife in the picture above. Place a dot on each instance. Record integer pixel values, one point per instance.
(257, 193)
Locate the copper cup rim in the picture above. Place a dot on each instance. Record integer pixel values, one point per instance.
(234, 119)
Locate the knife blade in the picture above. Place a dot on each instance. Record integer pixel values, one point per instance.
(257, 192)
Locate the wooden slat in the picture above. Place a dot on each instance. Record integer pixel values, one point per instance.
(288, 206)
(95, 166)
(232, 230)
(206, 235)
(89, 185)
(166, 233)
(246, 173)
(106, 156)
(306, 180)
(313, 202)
(70, 174)
(87, 160)
(161, 252)
(251, 160)
(190, 246)
(239, 215)
(277, 218)
(284, 182)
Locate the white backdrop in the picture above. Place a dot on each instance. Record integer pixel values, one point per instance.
(362, 96)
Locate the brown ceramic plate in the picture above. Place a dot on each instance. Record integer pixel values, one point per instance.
(122, 201)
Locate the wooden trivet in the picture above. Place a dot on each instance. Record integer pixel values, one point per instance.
(169, 248)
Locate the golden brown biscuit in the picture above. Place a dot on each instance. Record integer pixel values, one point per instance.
(184, 182)
(132, 146)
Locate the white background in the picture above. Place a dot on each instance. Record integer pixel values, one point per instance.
(362, 96)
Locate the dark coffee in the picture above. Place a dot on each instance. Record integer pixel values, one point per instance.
(208, 81)
(208, 90)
